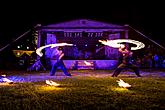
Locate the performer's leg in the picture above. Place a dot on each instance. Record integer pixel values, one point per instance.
(42, 66)
(54, 68)
(64, 68)
(118, 70)
(135, 69)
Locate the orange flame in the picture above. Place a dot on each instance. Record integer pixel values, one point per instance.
(6, 80)
(87, 63)
(123, 84)
(52, 83)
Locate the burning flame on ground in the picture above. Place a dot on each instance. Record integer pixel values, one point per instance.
(87, 63)
(3, 75)
(123, 84)
(5, 80)
(52, 83)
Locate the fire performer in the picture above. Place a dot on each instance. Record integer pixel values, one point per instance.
(58, 54)
(126, 61)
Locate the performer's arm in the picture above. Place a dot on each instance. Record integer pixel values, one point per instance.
(97, 50)
(61, 56)
(125, 51)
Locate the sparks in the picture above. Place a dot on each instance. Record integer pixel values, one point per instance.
(117, 43)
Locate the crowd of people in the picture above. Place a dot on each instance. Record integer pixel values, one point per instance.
(151, 61)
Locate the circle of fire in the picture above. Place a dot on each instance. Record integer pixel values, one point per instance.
(39, 50)
(117, 43)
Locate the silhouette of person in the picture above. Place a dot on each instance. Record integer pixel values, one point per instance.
(59, 63)
(126, 61)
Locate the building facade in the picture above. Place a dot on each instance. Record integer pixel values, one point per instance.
(84, 35)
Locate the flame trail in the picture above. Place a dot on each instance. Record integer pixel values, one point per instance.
(117, 43)
(39, 50)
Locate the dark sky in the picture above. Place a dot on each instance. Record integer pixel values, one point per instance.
(17, 18)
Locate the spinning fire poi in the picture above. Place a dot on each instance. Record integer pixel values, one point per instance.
(39, 50)
(117, 43)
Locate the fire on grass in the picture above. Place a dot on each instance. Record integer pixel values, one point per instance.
(123, 86)
(50, 86)
(4, 80)
(52, 83)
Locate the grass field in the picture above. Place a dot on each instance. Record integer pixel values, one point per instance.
(85, 93)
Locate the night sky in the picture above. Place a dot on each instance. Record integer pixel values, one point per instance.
(17, 18)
